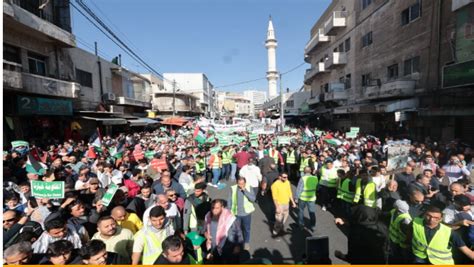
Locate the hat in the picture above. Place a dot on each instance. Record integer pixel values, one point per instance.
(93, 180)
(195, 238)
(401, 206)
(462, 200)
(265, 152)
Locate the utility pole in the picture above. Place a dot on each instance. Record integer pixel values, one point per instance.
(100, 72)
(282, 109)
(174, 98)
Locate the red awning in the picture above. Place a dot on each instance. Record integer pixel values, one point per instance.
(177, 121)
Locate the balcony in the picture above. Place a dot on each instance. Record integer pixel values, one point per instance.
(14, 79)
(313, 72)
(335, 59)
(336, 21)
(313, 100)
(42, 27)
(336, 92)
(398, 88)
(315, 41)
(127, 101)
(457, 4)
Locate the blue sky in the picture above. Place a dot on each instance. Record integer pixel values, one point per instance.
(222, 38)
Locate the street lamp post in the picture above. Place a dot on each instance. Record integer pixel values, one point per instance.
(174, 98)
(282, 109)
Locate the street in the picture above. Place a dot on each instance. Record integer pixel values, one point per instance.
(288, 249)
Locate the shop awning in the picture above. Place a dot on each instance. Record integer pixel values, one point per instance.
(106, 121)
(177, 121)
(141, 122)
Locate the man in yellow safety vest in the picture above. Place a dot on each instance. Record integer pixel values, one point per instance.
(306, 194)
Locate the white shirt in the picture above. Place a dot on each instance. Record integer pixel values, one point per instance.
(171, 212)
(380, 182)
(252, 174)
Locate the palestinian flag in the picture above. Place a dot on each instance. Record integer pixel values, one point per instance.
(199, 135)
(117, 152)
(96, 141)
(33, 166)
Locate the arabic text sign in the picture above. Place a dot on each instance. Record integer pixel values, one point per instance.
(109, 195)
(42, 189)
(351, 134)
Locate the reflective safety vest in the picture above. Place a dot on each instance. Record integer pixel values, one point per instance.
(369, 194)
(344, 193)
(199, 259)
(438, 250)
(290, 158)
(304, 162)
(152, 244)
(397, 236)
(217, 164)
(329, 177)
(248, 206)
(200, 166)
(274, 154)
(193, 218)
(310, 184)
(226, 157)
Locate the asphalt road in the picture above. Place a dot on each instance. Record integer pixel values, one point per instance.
(291, 247)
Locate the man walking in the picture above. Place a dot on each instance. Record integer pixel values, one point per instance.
(282, 196)
(306, 193)
(241, 205)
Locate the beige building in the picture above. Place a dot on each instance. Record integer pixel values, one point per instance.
(378, 65)
(234, 105)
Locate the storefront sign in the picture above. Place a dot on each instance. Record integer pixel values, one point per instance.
(43, 106)
(42, 189)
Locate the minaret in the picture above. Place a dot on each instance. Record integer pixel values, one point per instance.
(272, 73)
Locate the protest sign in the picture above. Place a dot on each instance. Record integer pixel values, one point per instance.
(149, 154)
(253, 136)
(318, 133)
(254, 144)
(42, 189)
(351, 135)
(397, 154)
(223, 141)
(283, 140)
(215, 149)
(109, 195)
(355, 129)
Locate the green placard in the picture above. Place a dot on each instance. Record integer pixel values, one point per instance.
(318, 133)
(355, 129)
(286, 129)
(19, 143)
(215, 149)
(163, 129)
(351, 135)
(283, 140)
(149, 154)
(223, 141)
(293, 131)
(253, 136)
(109, 194)
(42, 189)
(274, 142)
(254, 144)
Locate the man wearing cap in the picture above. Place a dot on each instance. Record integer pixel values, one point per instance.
(400, 221)
(197, 240)
(196, 206)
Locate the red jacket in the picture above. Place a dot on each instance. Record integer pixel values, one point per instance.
(133, 188)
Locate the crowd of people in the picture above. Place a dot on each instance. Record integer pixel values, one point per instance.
(142, 198)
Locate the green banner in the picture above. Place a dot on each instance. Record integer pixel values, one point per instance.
(109, 194)
(215, 149)
(318, 133)
(43, 106)
(211, 139)
(355, 129)
(351, 135)
(149, 154)
(253, 136)
(19, 143)
(283, 140)
(223, 141)
(42, 189)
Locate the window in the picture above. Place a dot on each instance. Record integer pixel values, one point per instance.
(84, 78)
(290, 103)
(347, 44)
(410, 14)
(411, 65)
(392, 71)
(348, 81)
(11, 53)
(366, 3)
(341, 47)
(367, 39)
(37, 64)
(366, 79)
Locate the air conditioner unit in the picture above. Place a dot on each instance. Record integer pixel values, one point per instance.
(109, 97)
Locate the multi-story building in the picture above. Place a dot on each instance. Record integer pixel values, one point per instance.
(257, 98)
(374, 64)
(293, 102)
(165, 103)
(234, 105)
(196, 84)
(38, 77)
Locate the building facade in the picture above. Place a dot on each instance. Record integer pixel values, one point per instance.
(234, 105)
(378, 65)
(38, 78)
(294, 104)
(196, 84)
(257, 98)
